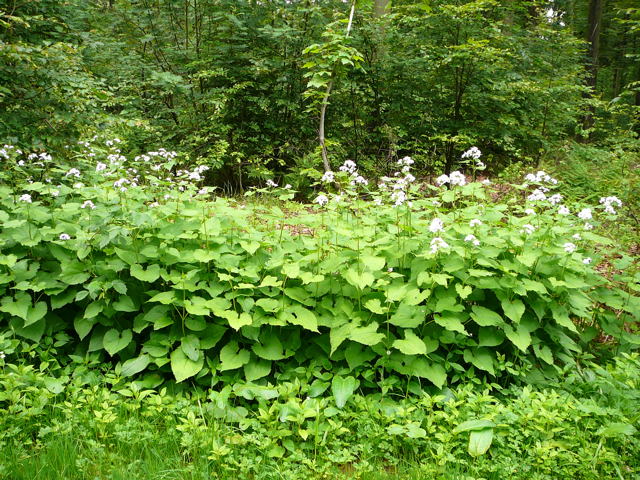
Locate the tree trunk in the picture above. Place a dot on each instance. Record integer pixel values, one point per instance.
(325, 102)
(593, 39)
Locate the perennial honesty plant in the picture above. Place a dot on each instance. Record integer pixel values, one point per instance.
(143, 266)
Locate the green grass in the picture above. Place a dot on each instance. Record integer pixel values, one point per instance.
(581, 425)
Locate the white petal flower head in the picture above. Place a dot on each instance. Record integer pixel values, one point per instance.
(588, 226)
(537, 195)
(73, 172)
(398, 197)
(78, 185)
(576, 236)
(55, 193)
(569, 247)
(563, 210)
(457, 178)
(321, 200)
(528, 229)
(101, 166)
(271, 183)
(64, 237)
(442, 179)
(359, 180)
(475, 222)
(585, 214)
(486, 181)
(555, 199)
(328, 177)
(438, 244)
(436, 225)
(288, 186)
(349, 166)
(473, 152)
(529, 211)
(587, 260)
(472, 239)
(89, 204)
(26, 198)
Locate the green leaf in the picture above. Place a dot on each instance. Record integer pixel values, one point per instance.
(82, 326)
(183, 367)
(114, 341)
(485, 317)
(256, 369)
(411, 345)
(18, 307)
(342, 389)
(135, 365)
(236, 320)
(520, 337)
(232, 356)
(269, 348)
(165, 298)
(366, 335)
(561, 316)
(303, 317)
(125, 304)
(151, 274)
(474, 425)
(490, 337)
(513, 309)
(374, 306)
(435, 373)
(190, 345)
(359, 280)
(373, 263)
(480, 441)
(615, 429)
(483, 359)
(269, 304)
(451, 321)
(93, 309)
(35, 313)
(463, 290)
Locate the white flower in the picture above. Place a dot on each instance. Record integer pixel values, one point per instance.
(78, 185)
(120, 183)
(202, 191)
(73, 172)
(321, 200)
(587, 261)
(540, 177)
(154, 205)
(2, 356)
(55, 193)
(271, 183)
(390, 269)
(64, 236)
(537, 195)
(528, 229)
(436, 225)
(21, 163)
(328, 177)
(406, 161)
(608, 203)
(442, 179)
(438, 244)
(486, 181)
(457, 178)
(588, 226)
(349, 166)
(555, 199)
(576, 236)
(26, 198)
(377, 201)
(88, 203)
(101, 166)
(530, 211)
(287, 186)
(475, 222)
(359, 179)
(480, 165)
(569, 247)
(563, 210)
(585, 214)
(473, 152)
(398, 197)
(472, 238)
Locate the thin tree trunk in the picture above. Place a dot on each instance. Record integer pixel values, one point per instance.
(593, 39)
(325, 101)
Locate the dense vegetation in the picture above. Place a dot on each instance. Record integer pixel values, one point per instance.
(331, 239)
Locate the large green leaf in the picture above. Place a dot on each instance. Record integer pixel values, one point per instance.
(232, 356)
(183, 367)
(342, 389)
(485, 317)
(114, 341)
(520, 337)
(411, 345)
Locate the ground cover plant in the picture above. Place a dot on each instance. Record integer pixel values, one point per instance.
(583, 424)
(132, 262)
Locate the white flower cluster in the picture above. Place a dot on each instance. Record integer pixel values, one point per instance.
(26, 198)
(271, 183)
(438, 244)
(350, 167)
(400, 182)
(88, 204)
(473, 152)
(563, 210)
(116, 159)
(109, 143)
(328, 177)
(74, 172)
(64, 236)
(472, 239)
(608, 203)
(436, 225)
(528, 229)
(321, 200)
(585, 214)
(569, 247)
(454, 178)
(5, 150)
(475, 222)
(540, 177)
